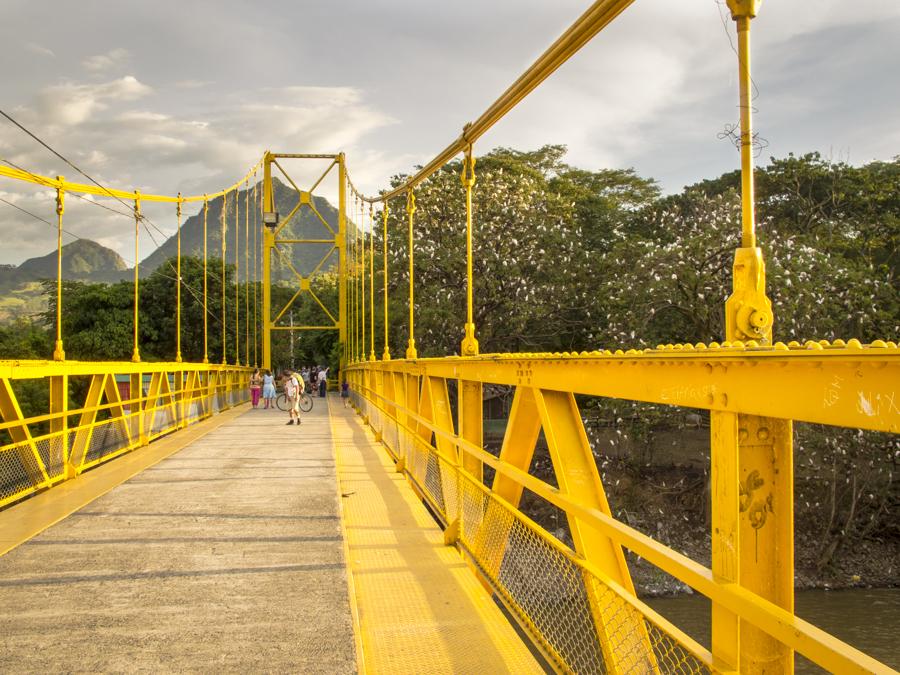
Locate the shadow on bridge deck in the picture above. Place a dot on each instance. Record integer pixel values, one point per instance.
(229, 555)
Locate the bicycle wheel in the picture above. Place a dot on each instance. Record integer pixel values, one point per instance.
(283, 403)
(306, 402)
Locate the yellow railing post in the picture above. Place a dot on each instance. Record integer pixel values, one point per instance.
(136, 352)
(410, 211)
(386, 356)
(59, 423)
(178, 288)
(136, 408)
(752, 457)
(59, 353)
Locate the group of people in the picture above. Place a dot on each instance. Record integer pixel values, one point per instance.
(315, 377)
(294, 385)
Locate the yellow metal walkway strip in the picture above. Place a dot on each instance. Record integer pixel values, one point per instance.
(420, 608)
(23, 521)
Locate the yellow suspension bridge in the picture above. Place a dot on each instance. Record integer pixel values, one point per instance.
(380, 542)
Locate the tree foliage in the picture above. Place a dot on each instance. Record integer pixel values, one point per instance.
(567, 259)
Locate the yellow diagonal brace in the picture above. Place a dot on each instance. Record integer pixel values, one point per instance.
(323, 176)
(324, 308)
(312, 207)
(285, 174)
(287, 306)
(85, 431)
(323, 261)
(284, 221)
(621, 631)
(30, 457)
(116, 410)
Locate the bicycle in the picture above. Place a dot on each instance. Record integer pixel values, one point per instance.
(306, 402)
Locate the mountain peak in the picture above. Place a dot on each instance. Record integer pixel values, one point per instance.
(82, 259)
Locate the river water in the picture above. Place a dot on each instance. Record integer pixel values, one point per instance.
(868, 619)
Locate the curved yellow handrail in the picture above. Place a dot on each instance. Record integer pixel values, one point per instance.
(83, 188)
(594, 19)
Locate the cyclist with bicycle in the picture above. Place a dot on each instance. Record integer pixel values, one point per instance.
(293, 388)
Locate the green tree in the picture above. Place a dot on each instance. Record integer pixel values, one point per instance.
(96, 319)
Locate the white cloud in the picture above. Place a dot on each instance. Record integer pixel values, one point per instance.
(111, 60)
(71, 104)
(40, 50)
(192, 84)
(192, 149)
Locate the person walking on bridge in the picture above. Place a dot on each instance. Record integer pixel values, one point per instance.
(293, 387)
(268, 390)
(255, 387)
(323, 381)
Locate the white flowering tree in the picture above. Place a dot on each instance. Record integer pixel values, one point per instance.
(534, 252)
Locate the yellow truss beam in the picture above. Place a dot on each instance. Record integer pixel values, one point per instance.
(845, 386)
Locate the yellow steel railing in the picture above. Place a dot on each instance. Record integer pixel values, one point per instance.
(578, 602)
(40, 451)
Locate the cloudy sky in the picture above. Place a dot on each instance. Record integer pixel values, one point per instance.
(169, 96)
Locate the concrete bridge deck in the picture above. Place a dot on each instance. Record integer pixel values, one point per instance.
(231, 555)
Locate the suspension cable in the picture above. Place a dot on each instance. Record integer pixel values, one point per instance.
(255, 274)
(205, 285)
(362, 276)
(386, 356)
(371, 282)
(247, 272)
(237, 278)
(410, 211)
(136, 353)
(469, 345)
(59, 353)
(178, 289)
(224, 320)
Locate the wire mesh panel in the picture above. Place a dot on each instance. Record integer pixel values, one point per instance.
(51, 449)
(195, 410)
(163, 420)
(107, 438)
(579, 621)
(583, 624)
(20, 471)
(390, 435)
(432, 480)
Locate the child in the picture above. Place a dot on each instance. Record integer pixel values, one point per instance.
(345, 393)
